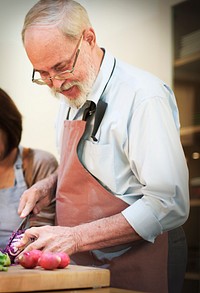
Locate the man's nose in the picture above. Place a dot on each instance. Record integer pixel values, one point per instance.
(57, 83)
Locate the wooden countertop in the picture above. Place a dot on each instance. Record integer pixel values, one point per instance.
(94, 290)
(73, 279)
(19, 279)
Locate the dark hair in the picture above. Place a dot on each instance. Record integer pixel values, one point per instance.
(10, 121)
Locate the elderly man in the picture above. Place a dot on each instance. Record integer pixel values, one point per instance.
(122, 184)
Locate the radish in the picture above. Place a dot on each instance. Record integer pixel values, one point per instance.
(27, 260)
(36, 254)
(65, 260)
(49, 260)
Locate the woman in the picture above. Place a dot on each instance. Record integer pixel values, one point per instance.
(20, 168)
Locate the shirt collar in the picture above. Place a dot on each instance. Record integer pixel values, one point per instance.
(102, 77)
(99, 84)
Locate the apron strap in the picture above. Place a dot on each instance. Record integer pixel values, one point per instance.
(89, 111)
(67, 117)
(100, 111)
(101, 108)
(18, 168)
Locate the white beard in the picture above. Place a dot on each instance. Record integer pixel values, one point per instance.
(85, 87)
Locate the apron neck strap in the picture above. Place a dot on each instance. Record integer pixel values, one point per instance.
(89, 111)
(100, 111)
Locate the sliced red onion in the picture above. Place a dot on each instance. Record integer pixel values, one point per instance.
(11, 248)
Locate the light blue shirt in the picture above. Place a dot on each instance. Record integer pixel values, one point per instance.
(138, 155)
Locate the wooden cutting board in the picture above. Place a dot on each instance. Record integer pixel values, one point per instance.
(19, 279)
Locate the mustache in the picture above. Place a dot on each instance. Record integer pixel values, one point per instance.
(65, 87)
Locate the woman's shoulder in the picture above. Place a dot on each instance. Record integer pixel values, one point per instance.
(43, 155)
(38, 164)
(39, 156)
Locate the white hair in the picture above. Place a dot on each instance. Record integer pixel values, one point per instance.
(68, 15)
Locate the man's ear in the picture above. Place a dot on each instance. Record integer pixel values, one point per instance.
(90, 37)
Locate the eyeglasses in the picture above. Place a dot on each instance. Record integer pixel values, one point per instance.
(59, 76)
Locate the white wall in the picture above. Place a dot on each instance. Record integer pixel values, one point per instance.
(137, 31)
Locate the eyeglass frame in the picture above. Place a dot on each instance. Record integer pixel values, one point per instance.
(40, 81)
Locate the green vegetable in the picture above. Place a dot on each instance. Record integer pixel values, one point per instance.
(2, 268)
(5, 261)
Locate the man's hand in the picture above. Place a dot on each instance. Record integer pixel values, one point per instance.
(49, 238)
(38, 196)
(106, 232)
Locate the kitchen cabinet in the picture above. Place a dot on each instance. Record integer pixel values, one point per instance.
(186, 84)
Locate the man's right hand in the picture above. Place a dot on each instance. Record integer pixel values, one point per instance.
(38, 196)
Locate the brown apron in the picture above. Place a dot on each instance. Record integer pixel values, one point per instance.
(81, 198)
